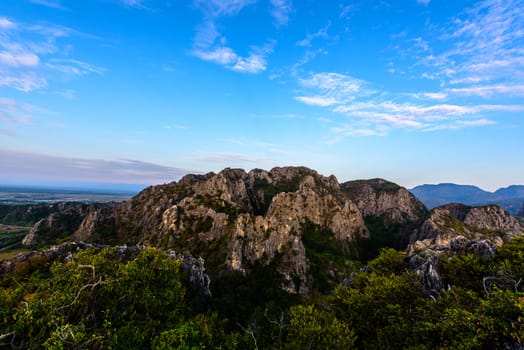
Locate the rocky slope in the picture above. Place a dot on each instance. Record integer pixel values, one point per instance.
(446, 222)
(457, 229)
(391, 212)
(297, 224)
(235, 219)
(64, 218)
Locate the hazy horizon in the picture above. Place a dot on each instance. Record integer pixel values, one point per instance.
(145, 91)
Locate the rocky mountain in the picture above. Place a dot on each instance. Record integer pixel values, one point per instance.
(457, 229)
(292, 223)
(391, 212)
(292, 219)
(235, 220)
(265, 251)
(447, 222)
(64, 218)
(510, 198)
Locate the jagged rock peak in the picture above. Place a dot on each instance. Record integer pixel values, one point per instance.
(444, 223)
(390, 211)
(375, 197)
(237, 219)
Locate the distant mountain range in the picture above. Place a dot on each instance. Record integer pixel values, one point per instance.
(510, 198)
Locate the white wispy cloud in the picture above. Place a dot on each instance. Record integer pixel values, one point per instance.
(424, 2)
(255, 62)
(460, 124)
(139, 4)
(479, 54)
(280, 10)
(430, 95)
(48, 3)
(73, 67)
(323, 101)
(321, 33)
(482, 44)
(219, 8)
(375, 113)
(19, 59)
(31, 52)
(24, 165)
(13, 112)
(5, 23)
(489, 90)
(210, 45)
(221, 55)
(27, 81)
(334, 88)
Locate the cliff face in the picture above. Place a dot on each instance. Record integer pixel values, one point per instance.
(235, 219)
(292, 221)
(489, 222)
(390, 212)
(456, 229)
(62, 219)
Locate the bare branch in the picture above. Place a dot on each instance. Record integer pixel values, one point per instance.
(92, 285)
(250, 332)
(6, 335)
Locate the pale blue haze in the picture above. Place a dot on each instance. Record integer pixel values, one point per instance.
(143, 91)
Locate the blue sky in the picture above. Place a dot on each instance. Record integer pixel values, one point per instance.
(143, 91)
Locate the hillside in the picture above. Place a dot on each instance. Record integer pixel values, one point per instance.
(266, 259)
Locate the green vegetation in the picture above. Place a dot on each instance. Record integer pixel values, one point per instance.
(328, 258)
(103, 299)
(379, 185)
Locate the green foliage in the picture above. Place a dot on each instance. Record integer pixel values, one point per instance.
(379, 185)
(315, 329)
(97, 300)
(464, 270)
(204, 224)
(106, 299)
(201, 332)
(241, 297)
(378, 308)
(389, 261)
(326, 256)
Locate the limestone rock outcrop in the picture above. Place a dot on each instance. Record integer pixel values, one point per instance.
(65, 218)
(234, 219)
(444, 223)
(390, 211)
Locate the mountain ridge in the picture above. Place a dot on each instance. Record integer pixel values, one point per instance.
(289, 221)
(432, 195)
